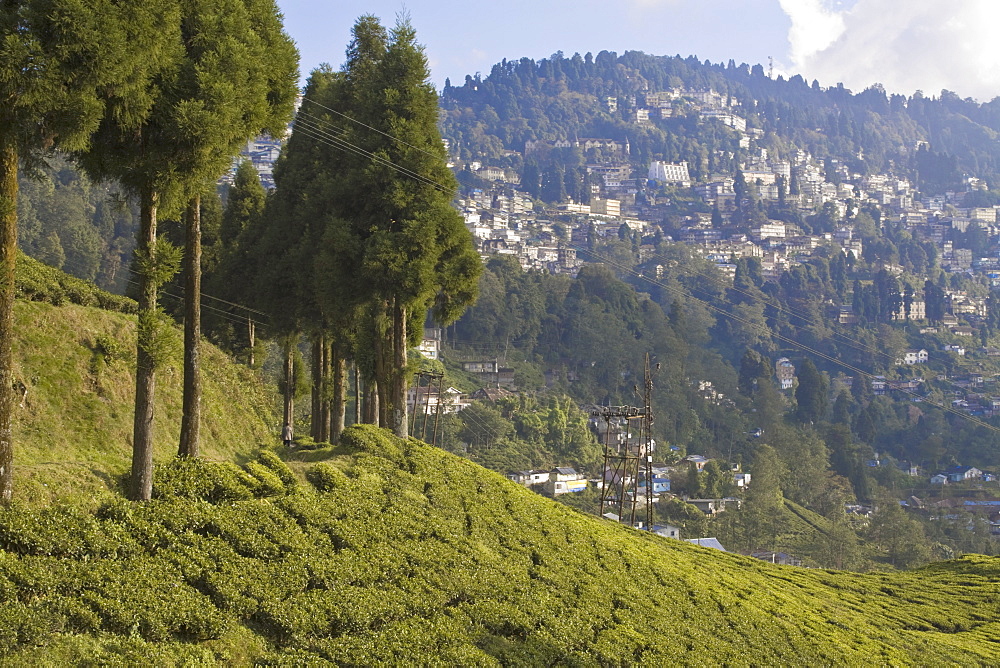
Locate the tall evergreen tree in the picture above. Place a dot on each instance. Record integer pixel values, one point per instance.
(811, 393)
(244, 68)
(60, 62)
(415, 253)
(231, 73)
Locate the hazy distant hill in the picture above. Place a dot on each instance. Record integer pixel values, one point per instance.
(566, 98)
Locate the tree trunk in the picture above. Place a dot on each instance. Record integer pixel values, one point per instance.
(357, 393)
(191, 419)
(145, 372)
(317, 373)
(8, 255)
(397, 392)
(369, 402)
(382, 345)
(252, 338)
(338, 402)
(289, 380)
(324, 403)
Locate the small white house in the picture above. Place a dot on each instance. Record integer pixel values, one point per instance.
(913, 356)
(529, 478)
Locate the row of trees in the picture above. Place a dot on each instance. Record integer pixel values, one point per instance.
(157, 96)
(359, 241)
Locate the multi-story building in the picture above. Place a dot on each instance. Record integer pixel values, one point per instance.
(669, 172)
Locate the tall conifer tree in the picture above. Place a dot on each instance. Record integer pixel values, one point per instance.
(60, 61)
(416, 253)
(232, 69)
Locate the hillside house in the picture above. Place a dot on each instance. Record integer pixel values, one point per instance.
(667, 531)
(529, 478)
(425, 400)
(565, 480)
(914, 356)
(707, 542)
(430, 345)
(714, 506)
(963, 473)
(490, 394)
(698, 460)
(785, 371)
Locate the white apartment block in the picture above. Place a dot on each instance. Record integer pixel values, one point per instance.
(669, 172)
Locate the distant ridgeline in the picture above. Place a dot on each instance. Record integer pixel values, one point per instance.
(679, 109)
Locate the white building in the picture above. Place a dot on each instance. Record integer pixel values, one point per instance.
(669, 172)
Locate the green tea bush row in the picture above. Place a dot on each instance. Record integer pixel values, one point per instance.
(417, 556)
(38, 282)
(325, 477)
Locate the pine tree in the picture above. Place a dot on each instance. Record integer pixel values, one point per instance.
(60, 62)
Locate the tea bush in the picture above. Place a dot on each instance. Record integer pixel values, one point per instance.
(418, 557)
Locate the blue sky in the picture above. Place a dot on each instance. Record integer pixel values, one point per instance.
(903, 44)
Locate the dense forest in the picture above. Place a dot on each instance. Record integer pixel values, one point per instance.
(561, 97)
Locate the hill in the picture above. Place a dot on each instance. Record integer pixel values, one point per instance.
(73, 429)
(569, 98)
(398, 552)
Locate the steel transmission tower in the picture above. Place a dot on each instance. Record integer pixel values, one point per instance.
(628, 459)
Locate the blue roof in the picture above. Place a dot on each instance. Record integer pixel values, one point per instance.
(707, 542)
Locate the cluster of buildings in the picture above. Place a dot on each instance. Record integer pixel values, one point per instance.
(503, 221)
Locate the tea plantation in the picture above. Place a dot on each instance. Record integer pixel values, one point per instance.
(392, 552)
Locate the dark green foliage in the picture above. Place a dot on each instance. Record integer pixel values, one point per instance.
(565, 97)
(71, 224)
(811, 394)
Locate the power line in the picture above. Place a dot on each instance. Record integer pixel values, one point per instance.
(211, 308)
(314, 129)
(364, 125)
(225, 314)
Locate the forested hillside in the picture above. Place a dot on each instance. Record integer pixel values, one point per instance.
(560, 98)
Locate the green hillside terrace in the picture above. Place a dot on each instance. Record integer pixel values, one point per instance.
(384, 551)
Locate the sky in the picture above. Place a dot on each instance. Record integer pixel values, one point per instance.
(905, 45)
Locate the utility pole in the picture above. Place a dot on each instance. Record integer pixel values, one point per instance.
(628, 463)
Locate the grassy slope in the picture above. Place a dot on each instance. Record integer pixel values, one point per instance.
(413, 555)
(75, 430)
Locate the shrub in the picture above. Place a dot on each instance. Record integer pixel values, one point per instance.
(325, 477)
(38, 282)
(21, 624)
(268, 483)
(373, 440)
(279, 468)
(194, 478)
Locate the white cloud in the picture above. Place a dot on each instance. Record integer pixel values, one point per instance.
(906, 46)
(814, 27)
